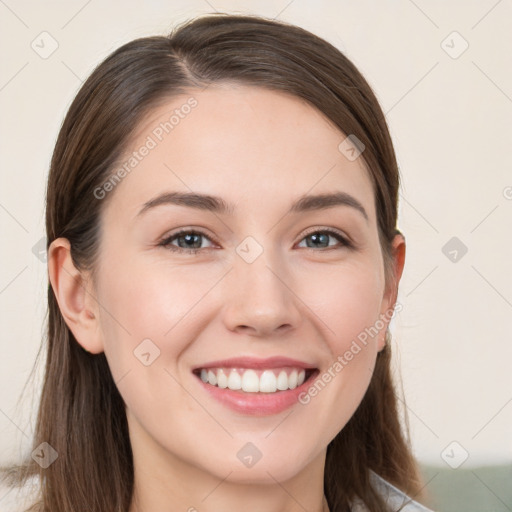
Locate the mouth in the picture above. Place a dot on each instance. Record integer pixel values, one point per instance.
(253, 386)
(251, 380)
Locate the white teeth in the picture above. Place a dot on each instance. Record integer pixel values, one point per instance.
(282, 381)
(234, 380)
(268, 382)
(222, 379)
(212, 378)
(250, 382)
(292, 380)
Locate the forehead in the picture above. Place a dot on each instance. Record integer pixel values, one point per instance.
(252, 146)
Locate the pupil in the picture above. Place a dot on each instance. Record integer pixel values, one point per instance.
(188, 238)
(316, 236)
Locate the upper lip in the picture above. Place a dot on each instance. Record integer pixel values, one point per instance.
(256, 363)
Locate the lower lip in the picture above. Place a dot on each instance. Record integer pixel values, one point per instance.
(258, 404)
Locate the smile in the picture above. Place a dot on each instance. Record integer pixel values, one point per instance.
(271, 380)
(255, 386)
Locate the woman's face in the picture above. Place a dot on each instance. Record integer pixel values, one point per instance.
(268, 280)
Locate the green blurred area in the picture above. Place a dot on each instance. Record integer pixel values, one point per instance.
(478, 489)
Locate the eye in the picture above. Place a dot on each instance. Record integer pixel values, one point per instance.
(189, 241)
(321, 236)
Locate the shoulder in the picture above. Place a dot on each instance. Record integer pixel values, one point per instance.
(394, 497)
(18, 499)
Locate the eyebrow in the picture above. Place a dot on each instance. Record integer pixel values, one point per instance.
(216, 204)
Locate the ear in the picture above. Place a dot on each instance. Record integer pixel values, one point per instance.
(391, 292)
(75, 297)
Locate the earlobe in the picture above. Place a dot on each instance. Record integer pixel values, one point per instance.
(384, 340)
(77, 303)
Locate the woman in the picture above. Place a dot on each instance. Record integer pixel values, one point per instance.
(224, 263)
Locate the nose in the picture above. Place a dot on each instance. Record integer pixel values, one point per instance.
(260, 300)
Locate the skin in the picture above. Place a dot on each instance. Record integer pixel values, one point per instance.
(260, 150)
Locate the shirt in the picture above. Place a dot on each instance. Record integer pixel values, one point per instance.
(393, 497)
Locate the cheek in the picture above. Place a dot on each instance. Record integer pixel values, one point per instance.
(347, 305)
(147, 321)
(148, 301)
(348, 312)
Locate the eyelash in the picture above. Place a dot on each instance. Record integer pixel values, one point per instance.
(166, 242)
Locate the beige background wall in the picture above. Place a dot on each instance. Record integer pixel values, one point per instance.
(450, 110)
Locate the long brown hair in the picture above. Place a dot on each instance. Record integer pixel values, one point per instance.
(81, 413)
